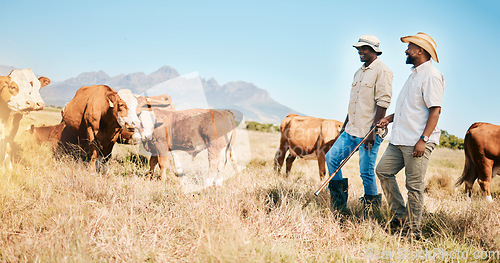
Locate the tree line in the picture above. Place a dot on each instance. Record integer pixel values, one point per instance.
(446, 140)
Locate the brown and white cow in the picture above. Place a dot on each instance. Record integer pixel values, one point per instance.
(137, 104)
(94, 118)
(305, 137)
(191, 131)
(482, 157)
(19, 94)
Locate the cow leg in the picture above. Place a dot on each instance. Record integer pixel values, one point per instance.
(153, 161)
(177, 164)
(104, 159)
(163, 162)
(289, 162)
(469, 182)
(8, 146)
(468, 187)
(321, 165)
(3, 149)
(93, 150)
(7, 160)
(279, 157)
(233, 160)
(485, 169)
(214, 150)
(230, 150)
(93, 159)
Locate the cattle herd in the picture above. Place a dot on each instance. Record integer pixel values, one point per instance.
(98, 117)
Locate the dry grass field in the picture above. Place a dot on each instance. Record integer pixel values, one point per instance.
(53, 210)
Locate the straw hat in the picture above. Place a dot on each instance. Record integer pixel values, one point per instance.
(424, 41)
(369, 40)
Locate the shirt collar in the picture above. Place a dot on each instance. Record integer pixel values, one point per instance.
(422, 66)
(372, 65)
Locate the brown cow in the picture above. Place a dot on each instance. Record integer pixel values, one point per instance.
(19, 94)
(305, 137)
(94, 118)
(50, 134)
(482, 157)
(191, 131)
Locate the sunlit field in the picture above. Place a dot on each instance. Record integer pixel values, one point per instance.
(53, 210)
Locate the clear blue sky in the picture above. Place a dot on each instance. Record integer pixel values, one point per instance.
(299, 51)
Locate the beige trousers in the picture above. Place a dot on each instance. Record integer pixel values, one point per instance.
(394, 159)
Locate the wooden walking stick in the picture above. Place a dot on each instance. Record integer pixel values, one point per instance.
(346, 159)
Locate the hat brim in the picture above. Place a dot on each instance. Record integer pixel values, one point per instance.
(423, 44)
(360, 44)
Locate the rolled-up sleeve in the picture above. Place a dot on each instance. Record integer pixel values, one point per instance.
(383, 88)
(433, 90)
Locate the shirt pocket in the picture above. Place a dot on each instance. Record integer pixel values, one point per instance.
(367, 84)
(367, 90)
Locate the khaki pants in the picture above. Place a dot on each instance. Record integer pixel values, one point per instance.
(394, 159)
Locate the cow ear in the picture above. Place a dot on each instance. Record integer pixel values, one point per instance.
(158, 124)
(3, 82)
(111, 105)
(44, 81)
(14, 88)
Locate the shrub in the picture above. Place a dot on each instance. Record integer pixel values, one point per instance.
(255, 126)
(450, 141)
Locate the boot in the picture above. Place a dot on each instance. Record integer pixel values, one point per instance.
(338, 194)
(371, 201)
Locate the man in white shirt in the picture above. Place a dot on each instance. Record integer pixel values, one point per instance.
(414, 133)
(371, 93)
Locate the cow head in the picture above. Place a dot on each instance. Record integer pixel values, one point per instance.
(120, 110)
(148, 122)
(8, 88)
(131, 101)
(28, 97)
(141, 115)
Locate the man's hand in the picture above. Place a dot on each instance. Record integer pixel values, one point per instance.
(370, 140)
(382, 123)
(419, 149)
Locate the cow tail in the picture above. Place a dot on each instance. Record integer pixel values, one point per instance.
(469, 168)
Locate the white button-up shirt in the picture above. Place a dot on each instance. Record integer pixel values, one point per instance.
(371, 87)
(423, 89)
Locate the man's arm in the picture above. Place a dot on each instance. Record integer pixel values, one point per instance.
(385, 121)
(345, 123)
(434, 112)
(370, 141)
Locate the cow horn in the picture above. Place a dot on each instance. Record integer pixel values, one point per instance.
(111, 105)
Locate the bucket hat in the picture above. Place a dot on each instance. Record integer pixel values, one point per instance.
(371, 41)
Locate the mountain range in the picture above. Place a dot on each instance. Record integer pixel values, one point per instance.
(254, 103)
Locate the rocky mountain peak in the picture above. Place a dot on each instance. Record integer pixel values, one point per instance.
(253, 102)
